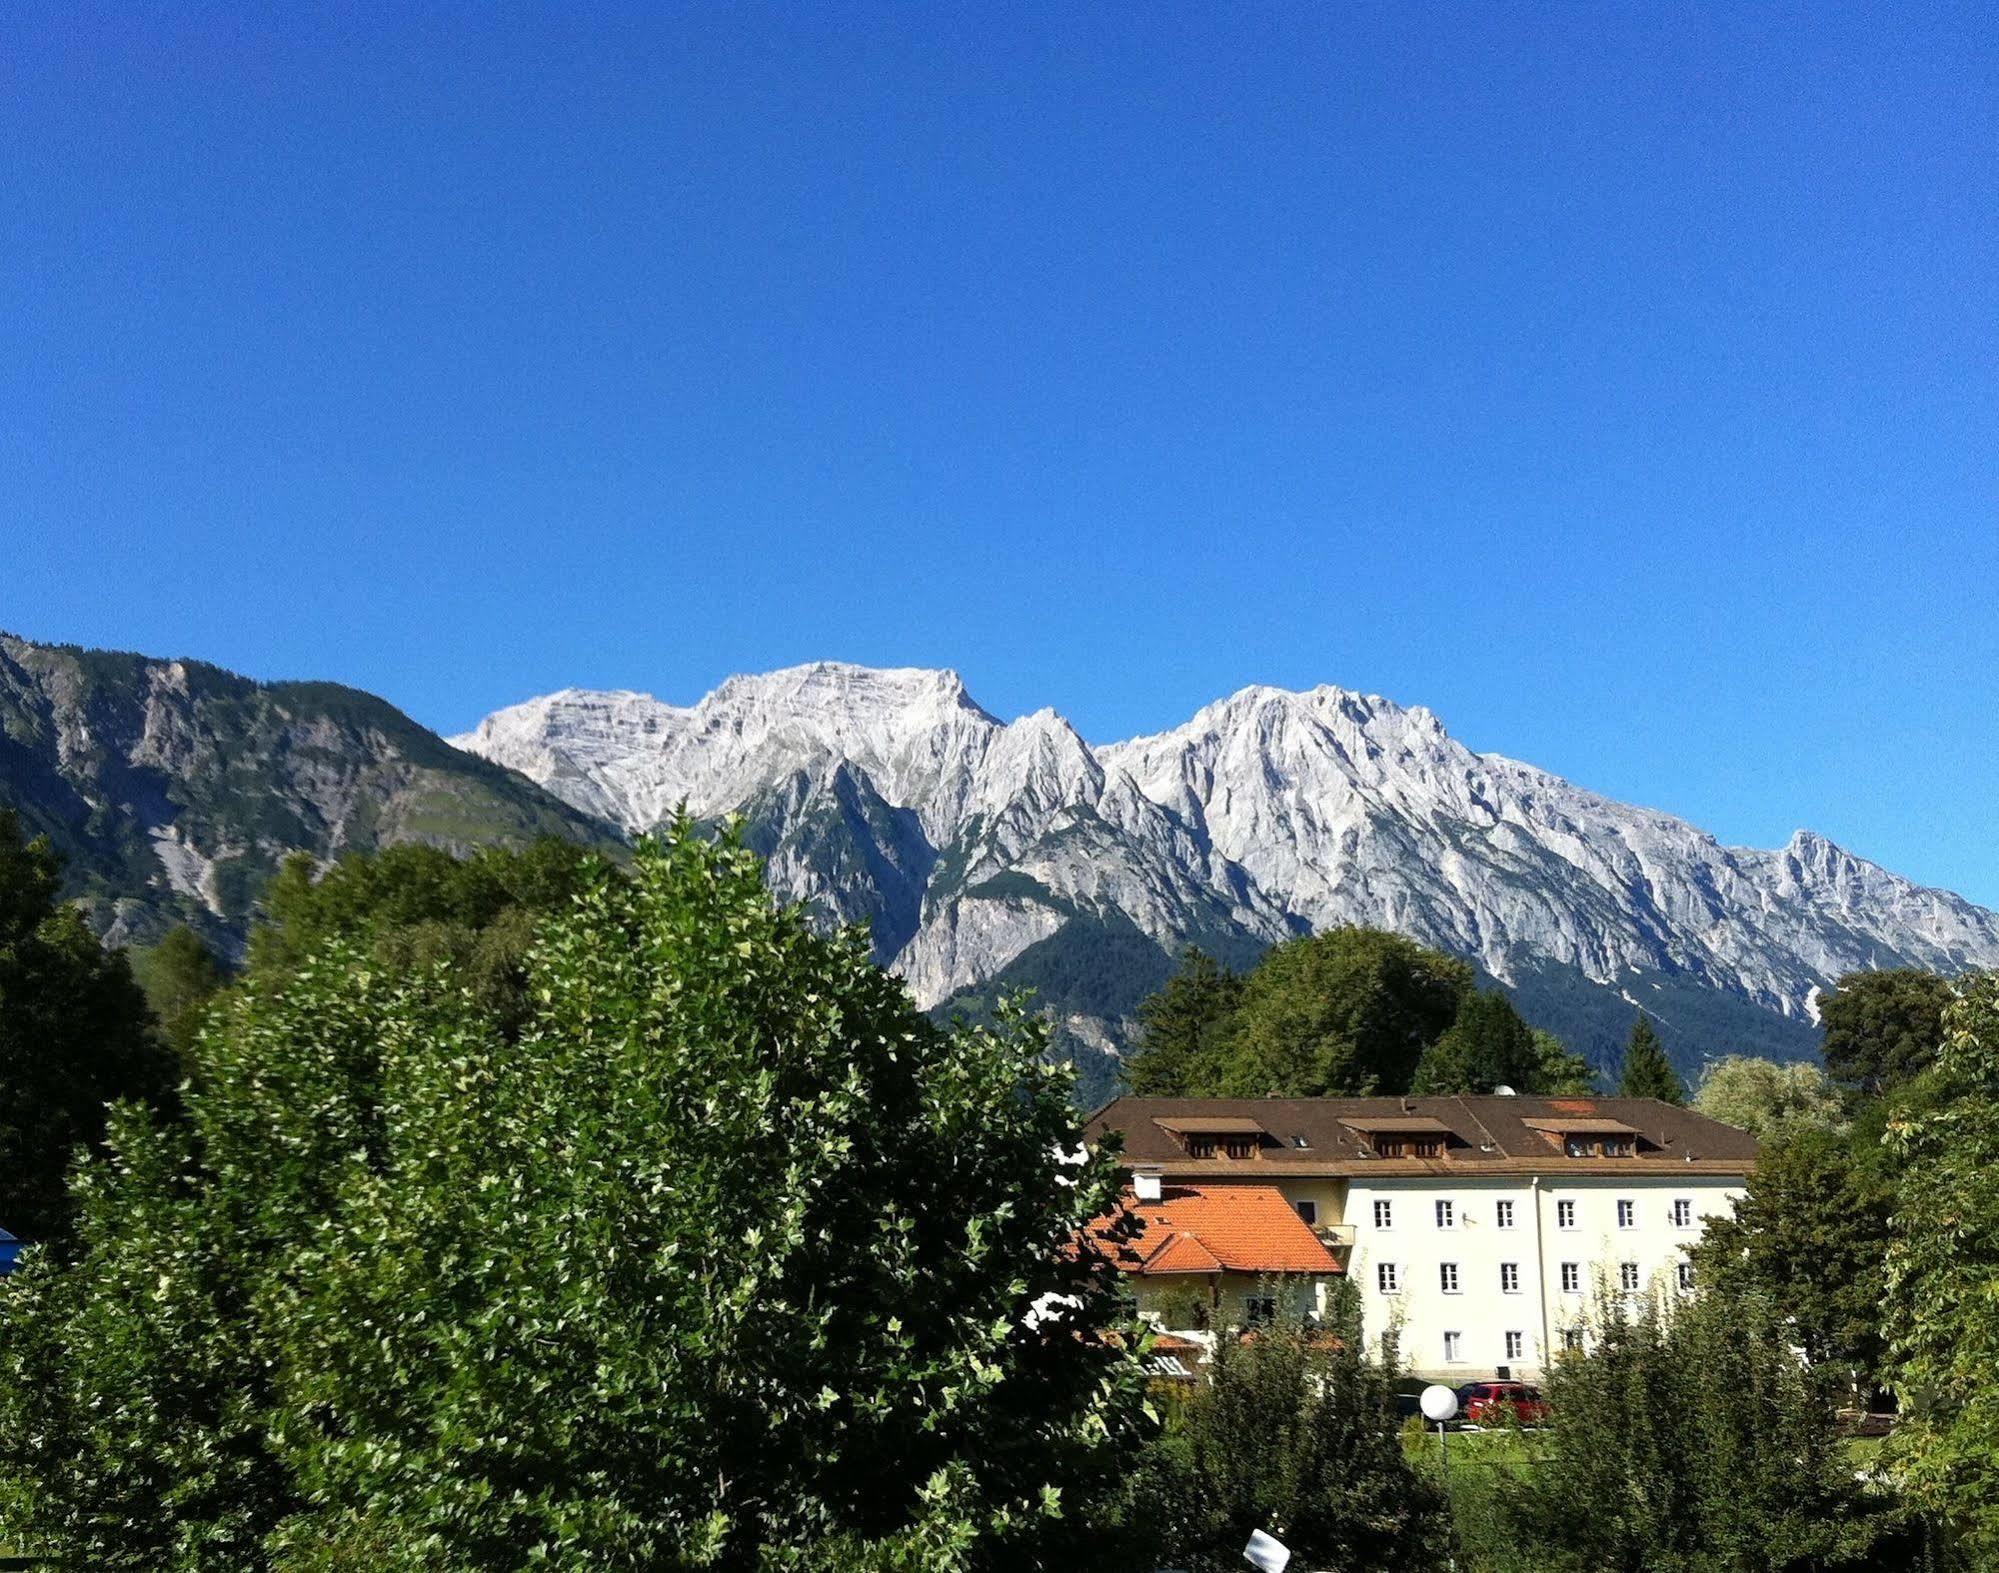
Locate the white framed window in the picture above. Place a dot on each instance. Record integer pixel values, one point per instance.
(1684, 1273)
(1565, 1215)
(1502, 1214)
(1447, 1215)
(1447, 1277)
(1627, 1215)
(1516, 1346)
(1384, 1215)
(1388, 1278)
(1454, 1348)
(1509, 1277)
(1683, 1212)
(1572, 1338)
(1572, 1278)
(1309, 1211)
(1627, 1277)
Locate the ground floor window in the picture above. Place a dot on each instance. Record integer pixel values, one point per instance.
(1454, 1348)
(1516, 1346)
(1260, 1309)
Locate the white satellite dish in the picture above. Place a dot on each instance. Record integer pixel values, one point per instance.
(1438, 1403)
(1266, 1553)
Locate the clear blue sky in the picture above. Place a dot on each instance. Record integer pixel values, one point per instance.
(1621, 382)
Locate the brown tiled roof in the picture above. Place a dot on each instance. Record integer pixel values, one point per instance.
(1197, 1229)
(1315, 1136)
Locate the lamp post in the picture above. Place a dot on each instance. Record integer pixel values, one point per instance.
(1440, 1404)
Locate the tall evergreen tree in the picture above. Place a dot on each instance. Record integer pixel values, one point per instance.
(75, 1034)
(1182, 1029)
(1487, 1046)
(1647, 1071)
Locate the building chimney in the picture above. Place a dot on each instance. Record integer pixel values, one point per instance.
(1145, 1184)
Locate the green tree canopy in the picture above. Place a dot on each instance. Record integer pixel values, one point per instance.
(1882, 1029)
(1647, 1072)
(411, 907)
(1762, 1097)
(1344, 1012)
(74, 1034)
(1558, 1070)
(721, 1256)
(1693, 1438)
(1943, 1266)
(179, 976)
(1487, 1046)
(1183, 1029)
(1809, 1237)
(1295, 1433)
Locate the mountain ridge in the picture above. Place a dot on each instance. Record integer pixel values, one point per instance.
(1268, 812)
(173, 788)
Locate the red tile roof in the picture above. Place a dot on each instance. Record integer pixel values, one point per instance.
(1193, 1229)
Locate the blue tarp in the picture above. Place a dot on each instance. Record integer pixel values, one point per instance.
(9, 1249)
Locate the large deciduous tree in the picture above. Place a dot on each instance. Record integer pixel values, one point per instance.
(1693, 1438)
(702, 1249)
(1765, 1098)
(1882, 1029)
(1808, 1237)
(1344, 1012)
(1943, 1279)
(75, 1033)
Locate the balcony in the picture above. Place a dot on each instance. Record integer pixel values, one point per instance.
(1335, 1237)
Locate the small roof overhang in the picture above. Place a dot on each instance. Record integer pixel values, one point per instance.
(1396, 1125)
(1210, 1125)
(1597, 1126)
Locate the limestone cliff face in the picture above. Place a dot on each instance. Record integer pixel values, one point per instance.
(977, 848)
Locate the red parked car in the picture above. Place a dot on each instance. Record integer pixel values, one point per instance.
(1501, 1404)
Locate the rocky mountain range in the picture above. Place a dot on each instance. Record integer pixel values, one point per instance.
(986, 853)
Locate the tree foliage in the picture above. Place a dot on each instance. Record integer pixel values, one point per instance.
(1344, 1012)
(74, 1034)
(1692, 1440)
(179, 977)
(1808, 1237)
(1487, 1046)
(1182, 1027)
(1882, 1029)
(1647, 1072)
(1765, 1098)
(1294, 1434)
(719, 1254)
(1942, 1299)
(411, 907)
(1559, 1071)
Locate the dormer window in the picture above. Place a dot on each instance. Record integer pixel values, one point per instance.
(1587, 1136)
(1401, 1135)
(1217, 1136)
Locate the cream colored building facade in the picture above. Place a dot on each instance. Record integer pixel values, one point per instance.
(1480, 1232)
